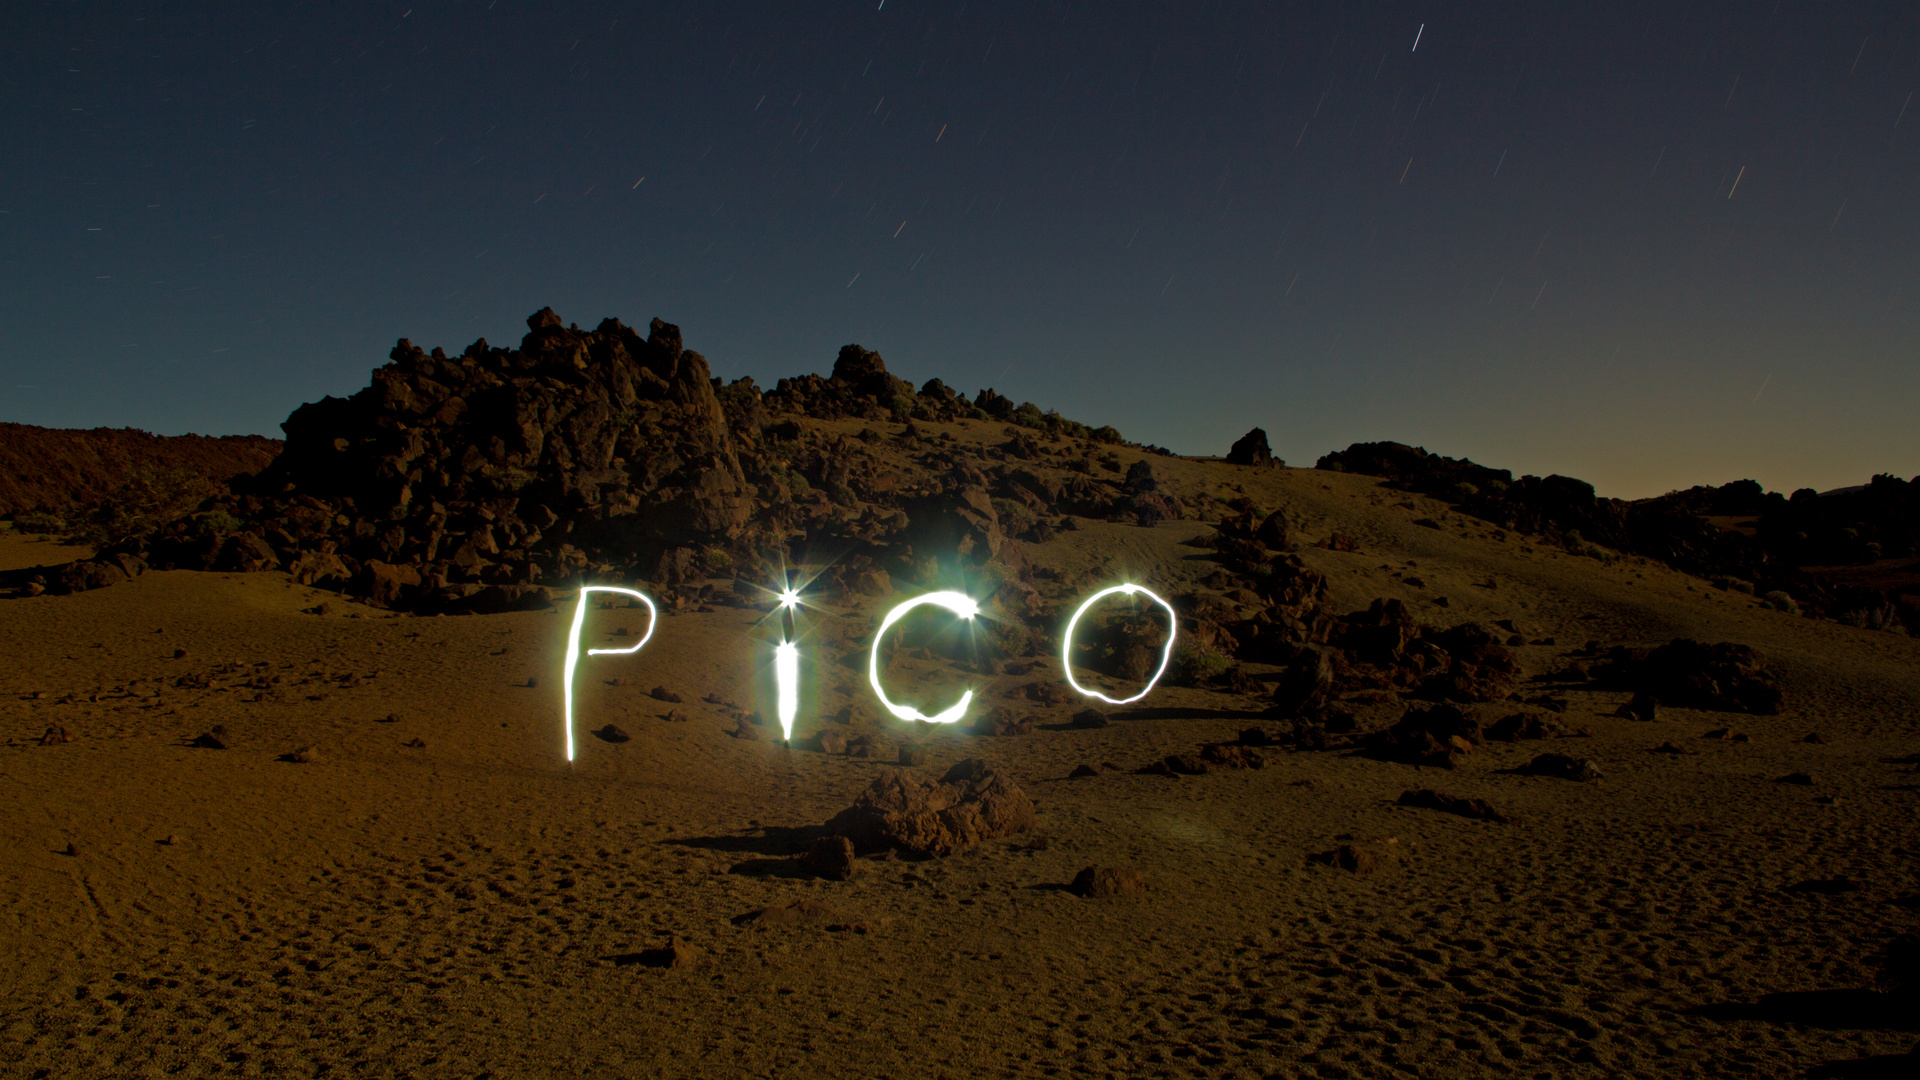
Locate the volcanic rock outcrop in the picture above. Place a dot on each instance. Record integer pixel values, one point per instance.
(476, 482)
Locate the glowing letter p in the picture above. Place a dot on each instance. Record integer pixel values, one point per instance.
(573, 646)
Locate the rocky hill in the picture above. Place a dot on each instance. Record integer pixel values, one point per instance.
(61, 472)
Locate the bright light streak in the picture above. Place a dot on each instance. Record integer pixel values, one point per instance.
(1416, 38)
(789, 598)
(1166, 654)
(961, 605)
(786, 673)
(573, 646)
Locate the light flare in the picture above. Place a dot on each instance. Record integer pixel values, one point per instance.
(961, 605)
(786, 675)
(573, 645)
(1166, 653)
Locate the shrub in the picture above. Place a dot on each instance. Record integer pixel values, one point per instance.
(39, 521)
(1105, 434)
(1195, 664)
(715, 561)
(1781, 601)
(1015, 518)
(212, 523)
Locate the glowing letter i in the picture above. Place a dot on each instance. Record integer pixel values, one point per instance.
(573, 646)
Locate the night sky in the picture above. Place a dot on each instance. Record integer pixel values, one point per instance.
(1649, 245)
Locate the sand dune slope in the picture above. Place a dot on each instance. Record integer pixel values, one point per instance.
(473, 906)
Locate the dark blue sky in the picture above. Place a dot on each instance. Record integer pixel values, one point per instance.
(1649, 245)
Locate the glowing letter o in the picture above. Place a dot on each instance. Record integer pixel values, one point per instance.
(573, 645)
(960, 604)
(1166, 654)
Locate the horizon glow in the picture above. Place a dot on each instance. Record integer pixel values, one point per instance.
(1166, 653)
(573, 647)
(961, 605)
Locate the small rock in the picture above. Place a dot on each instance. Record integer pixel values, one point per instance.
(1566, 768)
(829, 857)
(533, 683)
(1101, 882)
(913, 756)
(55, 735)
(390, 718)
(306, 755)
(794, 911)
(1799, 778)
(1359, 859)
(1827, 800)
(171, 840)
(71, 849)
(1001, 722)
(661, 693)
(1815, 737)
(1721, 733)
(209, 741)
(675, 716)
(179, 654)
(1254, 736)
(1453, 804)
(1669, 748)
(830, 742)
(746, 730)
(1090, 718)
(865, 746)
(674, 954)
(612, 733)
(1230, 756)
(416, 743)
(1643, 706)
(1082, 770)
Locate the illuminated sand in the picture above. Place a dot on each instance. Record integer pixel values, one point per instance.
(473, 907)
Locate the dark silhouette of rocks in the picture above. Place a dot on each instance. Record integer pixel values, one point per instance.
(1252, 449)
(968, 806)
(1879, 520)
(476, 483)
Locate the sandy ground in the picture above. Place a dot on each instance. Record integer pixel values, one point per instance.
(473, 906)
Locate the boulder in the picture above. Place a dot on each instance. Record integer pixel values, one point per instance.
(1251, 449)
(968, 806)
(1727, 676)
(1102, 882)
(829, 857)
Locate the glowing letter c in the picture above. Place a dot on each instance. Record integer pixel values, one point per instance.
(960, 604)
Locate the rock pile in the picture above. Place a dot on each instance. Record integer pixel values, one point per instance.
(476, 482)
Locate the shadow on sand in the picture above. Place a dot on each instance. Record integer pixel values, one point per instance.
(1839, 1010)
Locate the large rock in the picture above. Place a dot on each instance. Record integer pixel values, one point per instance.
(1251, 449)
(1305, 685)
(971, 804)
(1726, 676)
(498, 467)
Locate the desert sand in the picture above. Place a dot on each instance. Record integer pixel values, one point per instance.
(436, 892)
